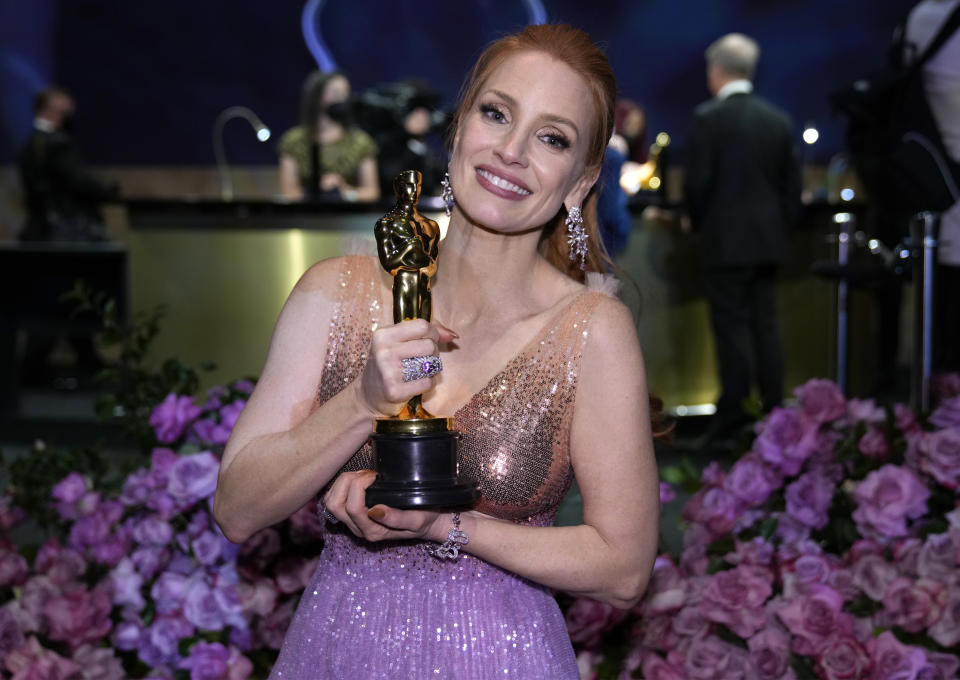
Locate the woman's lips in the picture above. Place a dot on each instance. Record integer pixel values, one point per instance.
(501, 186)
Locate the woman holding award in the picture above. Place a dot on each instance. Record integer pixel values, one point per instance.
(544, 378)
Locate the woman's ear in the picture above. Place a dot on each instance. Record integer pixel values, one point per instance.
(578, 194)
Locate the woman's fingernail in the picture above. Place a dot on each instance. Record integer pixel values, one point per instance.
(376, 513)
(449, 330)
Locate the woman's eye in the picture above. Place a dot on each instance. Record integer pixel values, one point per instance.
(492, 112)
(556, 141)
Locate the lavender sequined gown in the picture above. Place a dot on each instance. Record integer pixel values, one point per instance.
(390, 610)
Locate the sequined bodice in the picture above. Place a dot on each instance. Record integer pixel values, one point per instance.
(515, 430)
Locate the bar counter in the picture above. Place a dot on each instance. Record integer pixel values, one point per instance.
(225, 268)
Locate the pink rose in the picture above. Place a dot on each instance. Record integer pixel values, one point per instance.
(842, 658)
(78, 617)
(716, 508)
(821, 399)
(893, 660)
(712, 659)
(756, 551)
(13, 568)
(63, 565)
(865, 410)
(939, 456)
(257, 598)
(906, 419)
(666, 590)
(655, 667)
(588, 620)
(293, 572)
(34, 662)
(946, 630)
(814, 617)
(939, 667)
(735, 598)
(272, 628)
(873, 575)
(945, 385)
(28, 609)
(770, 653)
(11, 636)
(171, 417)
(306, 525)
(99, 663)
(939, 557)
(912, 605)
(886, 498)
(873, 444)
(787, 438)
(689, 623)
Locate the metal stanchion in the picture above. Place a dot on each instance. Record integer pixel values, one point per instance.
(846, 222)
(924, 231)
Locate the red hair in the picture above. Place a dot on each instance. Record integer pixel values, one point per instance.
(574, 48)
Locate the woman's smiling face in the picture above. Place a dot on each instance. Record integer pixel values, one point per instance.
(520, 150)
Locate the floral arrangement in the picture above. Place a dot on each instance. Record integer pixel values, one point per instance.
(141, 583)
(830, 549)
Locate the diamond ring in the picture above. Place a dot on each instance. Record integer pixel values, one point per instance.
(415, 368)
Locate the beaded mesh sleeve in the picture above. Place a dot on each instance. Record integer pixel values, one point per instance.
(515, 430)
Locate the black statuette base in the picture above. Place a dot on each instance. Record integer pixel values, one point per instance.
(418, 471)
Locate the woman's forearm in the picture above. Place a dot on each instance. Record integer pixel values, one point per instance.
(574, 559)
(273, 475)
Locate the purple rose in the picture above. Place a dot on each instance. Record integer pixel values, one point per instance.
(163, 504)
(159, 643)
(169, 591)
(230, 413)
(893, 660)
(770, 653)
(126, 635)
(787, 438)
(78, 616)
(588, 620)
(68, 493)
(790, 532)
(736, 597)
(946, 630)
(246, 386)
(152, 530)
(752, 480)
(98, 663)
(11, 636)
(209, 432)
(201, 607)
(194, 477)
(258, 551)
(151, 559)
(815, 616)
(89, 531)
(126, 584)
(873, 575)
(821, 399)
(873, 444)
(912, 605)
(804, 570)
(136, 488)
(842, 658)
(808, 500)
(947, 413)
(712, 659)
(756, 552)
(162, 461)
(306, 525)
(28, 609)
(170, 417)
(939, 456)
(207, 661)
(716, 508)
(689, 623)
(667, 493)
(939, 667)
(906, 419)
(886, 498)
(655, 667)
(206, 547)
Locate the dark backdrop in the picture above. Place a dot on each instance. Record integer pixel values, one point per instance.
(150, 77)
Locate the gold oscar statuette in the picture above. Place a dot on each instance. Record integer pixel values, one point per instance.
(415, 452)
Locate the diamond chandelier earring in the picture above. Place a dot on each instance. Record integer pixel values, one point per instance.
(576, 236)
(446, 194)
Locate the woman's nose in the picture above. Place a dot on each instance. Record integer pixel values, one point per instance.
(511, 148)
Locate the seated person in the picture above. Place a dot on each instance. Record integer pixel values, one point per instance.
(326, 155)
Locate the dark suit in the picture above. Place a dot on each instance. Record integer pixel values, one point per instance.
(62, 198)
(742, 189)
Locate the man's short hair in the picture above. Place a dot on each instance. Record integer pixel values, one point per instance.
(42, 99)
(735, 54)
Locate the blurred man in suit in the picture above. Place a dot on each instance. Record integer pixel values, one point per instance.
(62, 198)
(742, 190)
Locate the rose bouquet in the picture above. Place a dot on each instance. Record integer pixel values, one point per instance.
(143, 583)
(830, 549)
